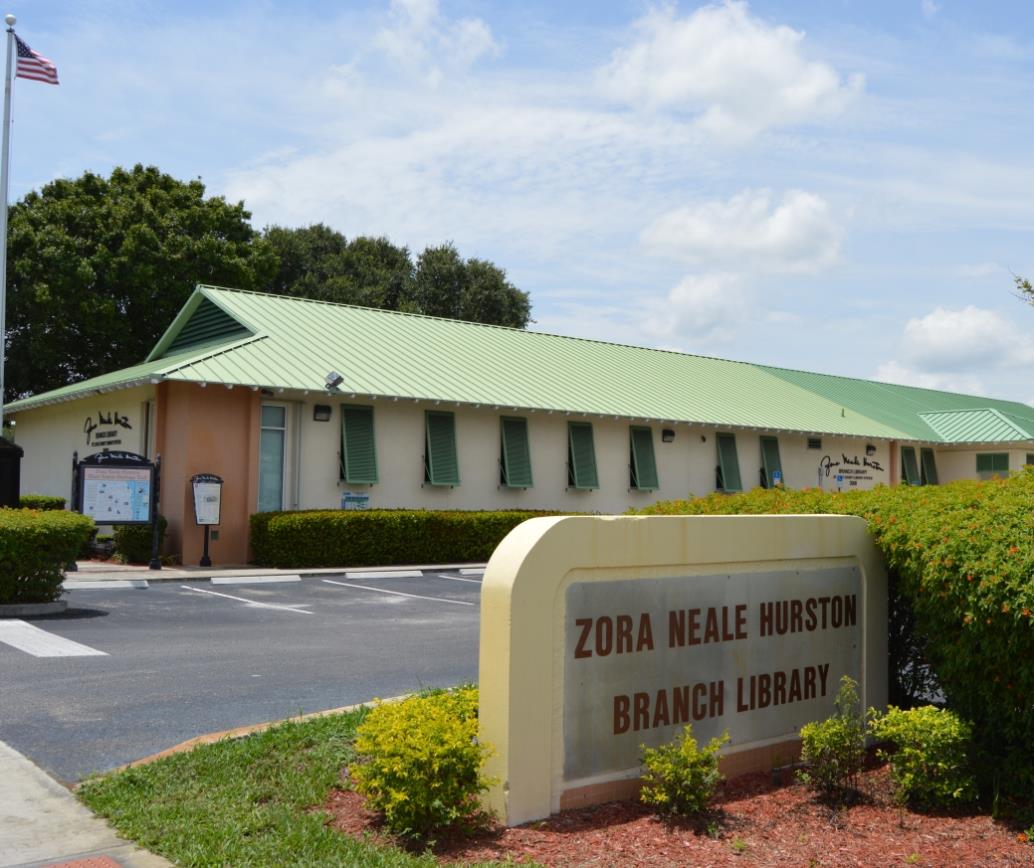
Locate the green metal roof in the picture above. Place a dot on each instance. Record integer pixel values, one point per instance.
(291, 344)
(985, 426)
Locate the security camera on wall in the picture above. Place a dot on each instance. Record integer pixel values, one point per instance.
(334, 379)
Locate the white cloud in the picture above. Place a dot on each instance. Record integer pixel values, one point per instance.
(701, 307)
(799, 233)
(957, 340)
(740, 74)
(958, 350)
(422, 39)
(929, 9)
(894, 372)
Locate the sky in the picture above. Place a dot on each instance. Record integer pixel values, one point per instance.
(843, 186)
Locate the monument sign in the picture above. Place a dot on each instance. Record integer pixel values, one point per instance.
(599, 635)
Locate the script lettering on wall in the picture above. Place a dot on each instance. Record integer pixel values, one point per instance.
(850, 471)
(102, 429)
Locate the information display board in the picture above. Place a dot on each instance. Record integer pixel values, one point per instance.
(208, 490)
(116, 495)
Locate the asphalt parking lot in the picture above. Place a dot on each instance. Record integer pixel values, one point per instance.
(128, 672)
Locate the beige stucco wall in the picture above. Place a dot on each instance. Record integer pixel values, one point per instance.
(685, 466)
(953, 464)
(49, 436)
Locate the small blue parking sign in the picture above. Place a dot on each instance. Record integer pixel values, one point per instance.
(777, 477)
(840, 477)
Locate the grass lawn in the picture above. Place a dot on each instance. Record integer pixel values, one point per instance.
(247, 801)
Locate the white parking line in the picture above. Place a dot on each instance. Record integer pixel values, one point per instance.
(398, 593)
(458, 578)
(249, 602)
(40, 643)
(472, 571)
(99, 585)
(383, 574)
(254, 580)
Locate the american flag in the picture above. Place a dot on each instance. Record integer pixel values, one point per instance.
(34, 65)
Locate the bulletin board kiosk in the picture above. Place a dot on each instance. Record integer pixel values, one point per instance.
(208, 490)
(114, 487)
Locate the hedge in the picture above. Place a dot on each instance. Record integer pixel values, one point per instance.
(41, 501)
(35, 545)
(378, 537)
(960, 559)
(134, 542)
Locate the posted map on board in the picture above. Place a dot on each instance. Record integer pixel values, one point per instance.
(117, 495)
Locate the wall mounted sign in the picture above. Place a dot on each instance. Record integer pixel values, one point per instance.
(850, 470)
(104, 430)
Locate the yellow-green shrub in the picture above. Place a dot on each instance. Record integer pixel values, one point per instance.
(420, 761)
(929, 763)
(35, 545)
(680, 776)
(834, 749)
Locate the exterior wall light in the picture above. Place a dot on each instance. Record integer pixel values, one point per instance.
(667, 435)
(321, 413)
(333, 380)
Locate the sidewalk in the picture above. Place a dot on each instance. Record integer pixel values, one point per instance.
(109, 571)
(42, 824)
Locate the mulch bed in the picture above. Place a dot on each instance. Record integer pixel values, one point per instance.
(753, 822)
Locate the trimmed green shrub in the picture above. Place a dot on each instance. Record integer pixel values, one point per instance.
(133, 542)
(41, 501)
(681, 777)
(929, 763)
(834, 749)
(960, 558)
(420, 761)
(35, 545)
(341, 538)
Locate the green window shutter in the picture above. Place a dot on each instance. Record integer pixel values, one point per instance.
(993, 462)
(358, 452)
(770, 463)
(1030, 458)
(728, 464)
(928, 466)
(516, 456)
(581, 456)
(441, 467)
(909, 467)
(644, 463)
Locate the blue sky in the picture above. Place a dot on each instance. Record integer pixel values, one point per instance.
(843, 186)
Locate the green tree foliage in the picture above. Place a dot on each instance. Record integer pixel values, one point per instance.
(98, 268)
(319, 262)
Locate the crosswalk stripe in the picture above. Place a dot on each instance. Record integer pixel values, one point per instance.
(39, 643)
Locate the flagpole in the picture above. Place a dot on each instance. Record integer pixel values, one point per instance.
(5, 159)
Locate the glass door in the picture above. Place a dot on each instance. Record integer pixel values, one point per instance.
(272, 440)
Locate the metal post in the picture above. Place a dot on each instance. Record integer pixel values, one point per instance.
(206, 561)
(72, 566)
(5, 158)
(156, 562)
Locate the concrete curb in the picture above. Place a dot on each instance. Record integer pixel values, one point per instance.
(26, 610)
(244, 731)
(196, 574)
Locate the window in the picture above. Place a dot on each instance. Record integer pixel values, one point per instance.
(642, 463)
(272, 436)
(441, 466)
(909, 466)
(581, 456)
(927, 467)
(770, 463)
(728, 476)
(515, 460)
(358, 452)
(992, 464)
(1030, 458)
